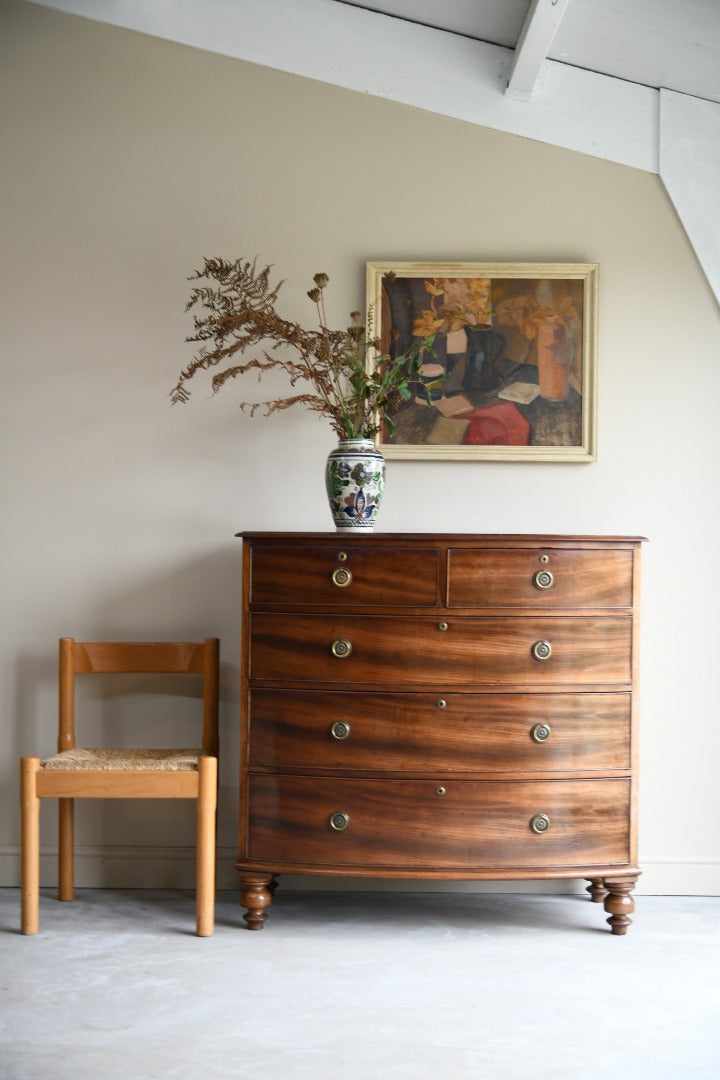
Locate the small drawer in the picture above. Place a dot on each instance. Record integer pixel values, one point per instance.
(541, 578)
(455, 825)
(451, 733)
(344, 576)
(406, 652)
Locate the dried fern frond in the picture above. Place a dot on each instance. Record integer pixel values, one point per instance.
(355, 386)
(316, 404)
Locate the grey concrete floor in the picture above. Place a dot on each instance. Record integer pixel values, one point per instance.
(353, 986)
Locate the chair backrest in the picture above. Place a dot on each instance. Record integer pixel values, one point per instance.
(139, 657)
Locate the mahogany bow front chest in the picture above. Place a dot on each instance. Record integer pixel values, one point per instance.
(440, 707)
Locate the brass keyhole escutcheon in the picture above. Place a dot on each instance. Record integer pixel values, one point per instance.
(441, 703)
(342, 556)
(440, 791)
(341, 577)
(543, 579)
(341, 648)
(339, 821)
(542, 649)
(540, 732)
(340, 730)
(540, 823)
(443, 626)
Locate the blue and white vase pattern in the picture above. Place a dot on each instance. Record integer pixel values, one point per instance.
(354, 481)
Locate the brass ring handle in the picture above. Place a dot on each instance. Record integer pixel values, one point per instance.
(340, 730)
(543, 579)
(542, 649)
(341, 577)
(339, 821)
(540, 823)
(540, 733)
(341, 648)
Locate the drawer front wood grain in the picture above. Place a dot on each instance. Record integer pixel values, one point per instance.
(469, 652)
(407, 825)
(419, 733)
(541, 578)
(345, 576)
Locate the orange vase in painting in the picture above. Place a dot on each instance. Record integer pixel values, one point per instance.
(552, 359)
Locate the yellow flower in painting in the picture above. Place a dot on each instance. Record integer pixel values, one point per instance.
(479, 301)
(565, 307)
(457, 302)
(528, 314)
(456, 321)
(427, 323)
(460, 302)
(517, 311)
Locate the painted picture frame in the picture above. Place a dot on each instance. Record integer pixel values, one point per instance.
(513, 375)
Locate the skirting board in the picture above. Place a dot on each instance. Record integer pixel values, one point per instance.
(174, 868)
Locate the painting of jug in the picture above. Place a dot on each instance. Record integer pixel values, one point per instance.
(484, 349)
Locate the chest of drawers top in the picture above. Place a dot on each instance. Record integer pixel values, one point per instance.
(457, 572)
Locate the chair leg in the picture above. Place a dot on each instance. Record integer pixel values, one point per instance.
(205, 853)
(30, 845)
(66, 849)
(205, 870)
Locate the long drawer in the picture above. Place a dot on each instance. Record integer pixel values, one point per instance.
(460, 651)
(345, 576)
(427, 824)
(542, 577)
(420, 733)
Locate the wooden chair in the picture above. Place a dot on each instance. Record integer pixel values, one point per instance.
(75, 772)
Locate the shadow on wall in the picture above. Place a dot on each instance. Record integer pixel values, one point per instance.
(192, 601)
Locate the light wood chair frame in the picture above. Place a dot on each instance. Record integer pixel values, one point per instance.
(200, 784)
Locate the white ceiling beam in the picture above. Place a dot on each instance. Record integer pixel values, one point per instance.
(536, 37)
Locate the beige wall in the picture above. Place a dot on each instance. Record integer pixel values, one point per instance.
(127, 159)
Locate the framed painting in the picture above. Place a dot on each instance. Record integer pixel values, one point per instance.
(512, 374)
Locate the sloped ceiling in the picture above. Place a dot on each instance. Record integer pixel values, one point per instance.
(668, 44)
(633, 81)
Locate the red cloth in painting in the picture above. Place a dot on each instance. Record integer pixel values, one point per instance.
(496, 425)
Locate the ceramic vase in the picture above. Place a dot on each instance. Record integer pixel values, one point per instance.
(552, 359)
(354, 480)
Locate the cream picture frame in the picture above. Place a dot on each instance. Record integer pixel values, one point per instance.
(513, 375)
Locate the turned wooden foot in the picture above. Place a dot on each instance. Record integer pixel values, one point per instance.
(255, 897)
(619, 904)
(597, 889)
